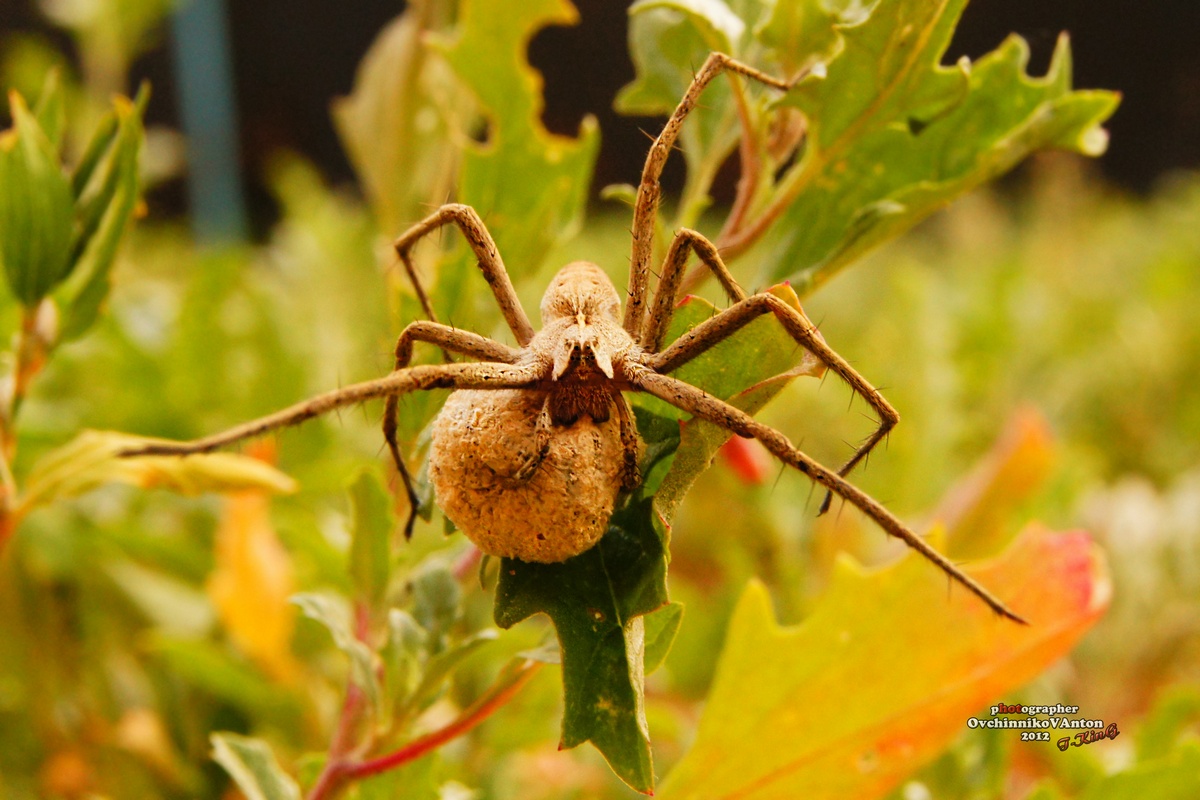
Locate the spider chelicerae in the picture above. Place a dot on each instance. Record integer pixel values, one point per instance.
(574, 371)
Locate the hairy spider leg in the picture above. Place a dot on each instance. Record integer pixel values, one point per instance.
(631, 474)
(542, 433)
(703, 405)
(420, 378)
(732, 319)
(487, 255)
(683, 245)
(649, 191)
(450, 340)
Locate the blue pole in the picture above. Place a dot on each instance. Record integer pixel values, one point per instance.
(204, 77)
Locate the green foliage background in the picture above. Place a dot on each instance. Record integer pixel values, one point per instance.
(135, 623)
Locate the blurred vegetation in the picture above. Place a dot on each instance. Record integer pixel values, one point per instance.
(1038, 344)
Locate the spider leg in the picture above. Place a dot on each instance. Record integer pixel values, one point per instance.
(724, 324)
(542, 434)
(683, 245)
(631, 475)
(450, 340)
(488, 256)
(703, 405)
(649, 191)
(420, 378)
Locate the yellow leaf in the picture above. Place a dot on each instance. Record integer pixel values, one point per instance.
(976, 510)
(884, 674)
(94, 458)
(252, 582)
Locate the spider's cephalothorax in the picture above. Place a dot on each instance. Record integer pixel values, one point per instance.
(582, 339)
(534, 473)
(532, 448)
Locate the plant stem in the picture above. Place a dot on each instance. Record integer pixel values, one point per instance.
(333, 775)
(339, 770)
(476, 713)
(751, 166)
(30, 357)
(9, 518)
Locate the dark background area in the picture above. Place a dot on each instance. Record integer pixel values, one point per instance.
(291, 58)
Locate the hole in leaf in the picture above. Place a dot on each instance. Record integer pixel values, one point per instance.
(481, 131)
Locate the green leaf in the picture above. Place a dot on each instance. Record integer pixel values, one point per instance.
(252, 765)
(529, 185)
(416, 780)
(372, 523)
(716, 21)
(661, 628)
(35, 209)
(98, 145)
(893, 135)
(809, 32)
(441, 666)
(747, 370)
(668, 41)
(436, 598)
(977, 511)
(98, 193)
(1045, 790)
(1175, 776)
(51, 110)
(334, 614)
(115, 32)
(93, 458)
(596, 600)
(105, 206)
(1172, 713)
(625, 193)
(395, 125)
(545, 653)
(173, 605)
(217, 672)
(809, 711)
(407, 641)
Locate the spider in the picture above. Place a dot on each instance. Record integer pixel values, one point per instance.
(570, 377)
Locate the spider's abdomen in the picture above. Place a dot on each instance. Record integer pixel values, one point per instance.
(485, 471)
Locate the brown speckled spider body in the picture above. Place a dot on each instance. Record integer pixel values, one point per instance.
(545, 426)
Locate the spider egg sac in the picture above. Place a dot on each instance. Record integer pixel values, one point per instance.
(481, 441)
